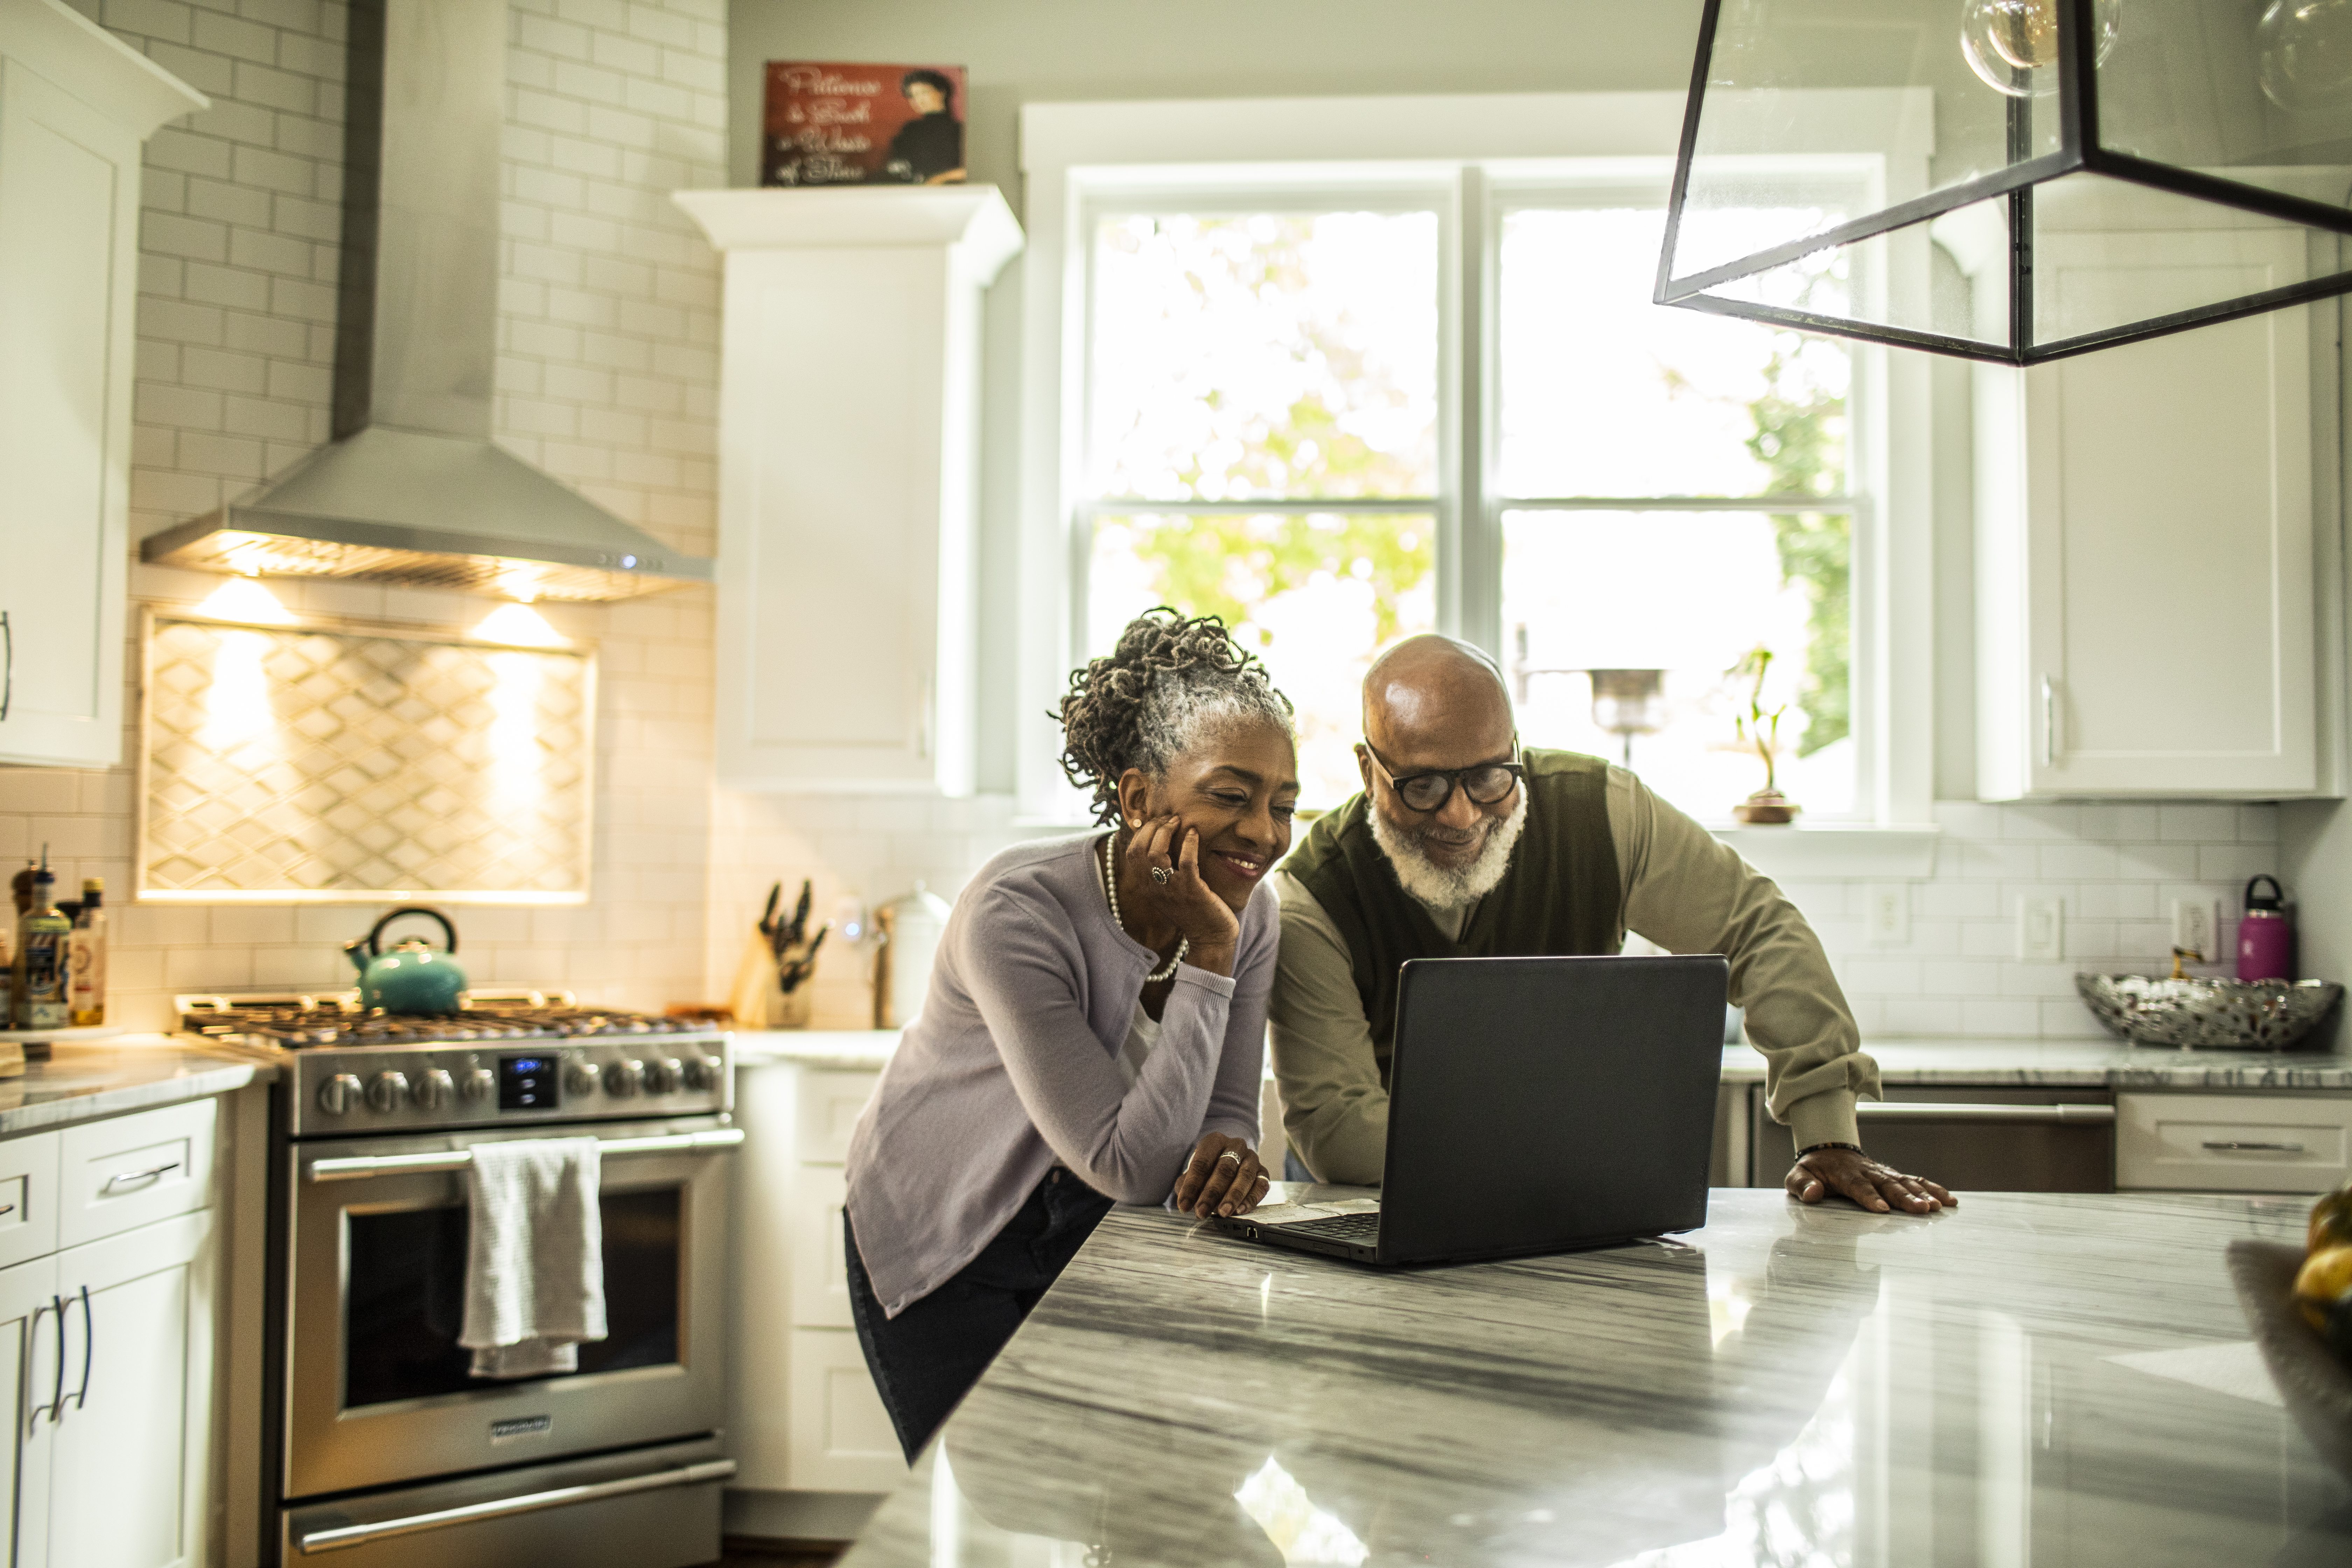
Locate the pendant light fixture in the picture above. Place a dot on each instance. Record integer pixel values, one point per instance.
(2072, 175)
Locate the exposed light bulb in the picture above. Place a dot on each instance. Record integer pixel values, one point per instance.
(2303, 55)
(2012, 45)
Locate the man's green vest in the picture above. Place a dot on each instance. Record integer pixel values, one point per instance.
(1561, 894)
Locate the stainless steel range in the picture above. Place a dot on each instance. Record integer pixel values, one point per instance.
(390, 1451)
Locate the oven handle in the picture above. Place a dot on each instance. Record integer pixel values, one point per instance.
(1928, 1110)
(531, 1502)
(354, 1168)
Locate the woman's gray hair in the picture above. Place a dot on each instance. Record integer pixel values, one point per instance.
(1167, 681)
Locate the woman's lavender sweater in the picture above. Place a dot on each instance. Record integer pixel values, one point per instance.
(1013, 1066)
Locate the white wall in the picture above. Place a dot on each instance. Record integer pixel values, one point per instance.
(608, 377)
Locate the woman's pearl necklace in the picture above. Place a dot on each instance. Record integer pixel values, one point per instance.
(1110, 886)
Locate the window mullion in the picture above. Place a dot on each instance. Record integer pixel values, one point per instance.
(1470, 557)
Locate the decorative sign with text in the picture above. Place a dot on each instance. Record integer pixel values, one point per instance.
(832, 124)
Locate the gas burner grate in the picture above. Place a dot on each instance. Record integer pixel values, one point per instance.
(338, 1019)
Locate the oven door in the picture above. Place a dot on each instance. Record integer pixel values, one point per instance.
(378, 1390)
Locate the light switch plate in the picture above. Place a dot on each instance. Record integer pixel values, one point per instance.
(2042, 929)
(1887, 913)
(2196, 929)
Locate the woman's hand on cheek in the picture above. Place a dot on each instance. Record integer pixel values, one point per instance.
(1183, 901)
(1223, 1177)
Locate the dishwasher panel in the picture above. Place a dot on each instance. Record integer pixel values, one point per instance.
(1973, 1140)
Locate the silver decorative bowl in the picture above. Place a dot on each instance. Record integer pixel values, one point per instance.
(2208, 1014)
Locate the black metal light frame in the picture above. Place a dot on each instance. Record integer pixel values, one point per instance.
(2079, 152)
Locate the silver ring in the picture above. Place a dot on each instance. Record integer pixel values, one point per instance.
(1229, 1154)
(1160, 874)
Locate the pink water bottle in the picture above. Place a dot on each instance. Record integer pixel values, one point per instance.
(2266, 934)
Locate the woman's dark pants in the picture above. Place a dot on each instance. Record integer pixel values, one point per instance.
(928, 1357)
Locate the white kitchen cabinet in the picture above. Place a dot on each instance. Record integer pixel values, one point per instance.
(106, 1355)
(848, 477)
(803, 1419)
(128, 1480)
(2147, 590)
(75, 105)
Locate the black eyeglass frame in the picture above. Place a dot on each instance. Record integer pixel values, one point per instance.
(1456, 779)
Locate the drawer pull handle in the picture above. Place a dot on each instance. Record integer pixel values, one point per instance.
(127, 1178)
(695, 1475)
(2259, 1148)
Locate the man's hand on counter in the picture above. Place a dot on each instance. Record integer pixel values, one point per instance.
(1881, 1189)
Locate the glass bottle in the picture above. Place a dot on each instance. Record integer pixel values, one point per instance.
(86, 958)
(41, 939)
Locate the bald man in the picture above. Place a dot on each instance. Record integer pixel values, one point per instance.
(1465, 846)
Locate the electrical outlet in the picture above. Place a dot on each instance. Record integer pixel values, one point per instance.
(1888, 913)
(2042, 929)
(2196, 929)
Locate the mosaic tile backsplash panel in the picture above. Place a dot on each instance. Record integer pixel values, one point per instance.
(298, 764)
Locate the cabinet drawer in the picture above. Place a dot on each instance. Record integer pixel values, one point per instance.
(2232, 1144)
(820, 1269)
(842, 1440)
(28, 1198)
(829, 1104)
(132, 1170)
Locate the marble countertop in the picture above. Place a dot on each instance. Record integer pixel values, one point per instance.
(132, 1072)
(2078, 1064)
(2023, 1063)
(2025, 1378)
(841, 1050)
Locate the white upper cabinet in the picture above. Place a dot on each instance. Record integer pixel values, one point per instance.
(2146, 590)
(75, 105)
(849, 480)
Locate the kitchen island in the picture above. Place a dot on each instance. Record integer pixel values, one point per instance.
(2026, 1379)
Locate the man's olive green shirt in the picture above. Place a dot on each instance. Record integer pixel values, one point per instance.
(1684, 889)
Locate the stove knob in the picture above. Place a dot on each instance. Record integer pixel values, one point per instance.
(336, 1095)
(435, 1089)
(580, 1078)
(701, 1073)
(664, 1074)
(625, 1079)
(477, 1084)
(388, 1091)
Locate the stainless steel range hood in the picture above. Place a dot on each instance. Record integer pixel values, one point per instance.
(412, 489)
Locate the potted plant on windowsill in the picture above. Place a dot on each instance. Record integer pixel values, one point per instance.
(1761, 727)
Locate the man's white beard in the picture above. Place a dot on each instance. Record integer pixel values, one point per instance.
(1447, 887)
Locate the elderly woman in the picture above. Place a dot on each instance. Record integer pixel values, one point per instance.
(1095, 1025)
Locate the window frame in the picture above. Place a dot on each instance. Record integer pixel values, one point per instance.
(1471, 158)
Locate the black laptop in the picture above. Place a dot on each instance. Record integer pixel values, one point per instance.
(1535, 1105)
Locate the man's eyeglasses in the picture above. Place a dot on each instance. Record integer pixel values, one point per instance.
(1486, 783)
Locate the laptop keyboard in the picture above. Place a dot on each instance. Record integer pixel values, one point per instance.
(1352, 1227)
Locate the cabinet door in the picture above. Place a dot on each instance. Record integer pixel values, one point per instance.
(128, 1484)
(69, 226)
(2146, 571)
(30, 1368)
(842, 1437)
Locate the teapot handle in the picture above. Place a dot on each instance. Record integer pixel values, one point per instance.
(377, 932)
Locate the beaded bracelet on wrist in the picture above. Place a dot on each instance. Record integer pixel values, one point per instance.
(1817, 1148)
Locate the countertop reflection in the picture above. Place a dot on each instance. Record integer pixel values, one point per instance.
(2025, 1379)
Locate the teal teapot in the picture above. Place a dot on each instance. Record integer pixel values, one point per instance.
(411, 977)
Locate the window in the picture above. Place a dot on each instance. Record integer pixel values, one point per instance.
(1261, 420)
(1341, 399)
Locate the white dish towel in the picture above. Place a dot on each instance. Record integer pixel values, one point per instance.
(535, 1263)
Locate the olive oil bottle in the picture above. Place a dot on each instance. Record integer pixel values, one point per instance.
(42, 937)
(86, 958)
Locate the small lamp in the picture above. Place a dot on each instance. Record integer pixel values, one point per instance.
(1628, 702)
(2101, 171)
